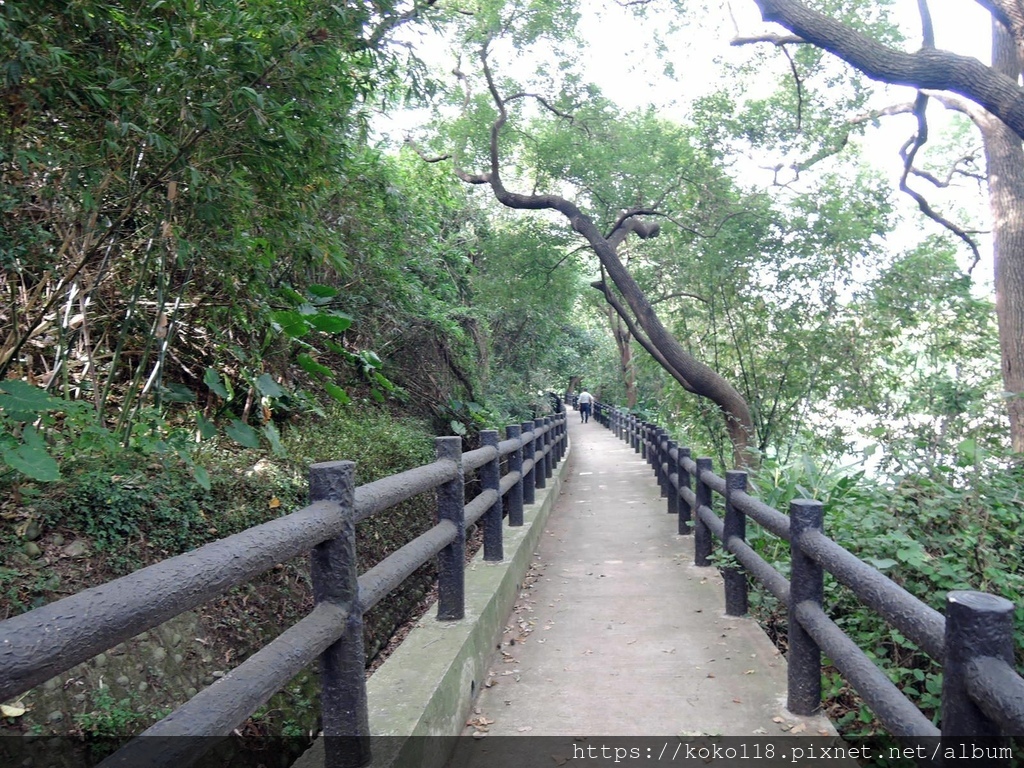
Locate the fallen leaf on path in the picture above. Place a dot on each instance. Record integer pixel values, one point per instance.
(16, 709)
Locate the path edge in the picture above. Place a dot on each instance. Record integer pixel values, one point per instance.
(428, 684)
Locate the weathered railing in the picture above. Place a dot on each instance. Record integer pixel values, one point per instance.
(37, 645)
(982, 694)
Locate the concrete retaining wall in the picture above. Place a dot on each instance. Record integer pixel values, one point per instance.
(426, 687)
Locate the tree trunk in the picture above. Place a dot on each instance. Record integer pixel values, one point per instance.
(697, 376)
(692, 374)
(623, 341)
(1005, 161)
(928, 68)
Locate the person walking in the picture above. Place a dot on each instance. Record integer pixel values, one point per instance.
(586, 403)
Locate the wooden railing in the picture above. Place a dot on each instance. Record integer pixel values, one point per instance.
(39, 644)
(982, 693)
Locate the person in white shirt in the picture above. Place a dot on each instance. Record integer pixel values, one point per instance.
(586, 403)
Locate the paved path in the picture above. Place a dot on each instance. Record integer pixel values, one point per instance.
(617, 633)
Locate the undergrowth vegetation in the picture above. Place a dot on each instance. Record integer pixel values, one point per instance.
(929, 533)
(112, 512)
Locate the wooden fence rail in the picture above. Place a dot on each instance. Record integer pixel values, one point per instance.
(982, 693)
(39, 644)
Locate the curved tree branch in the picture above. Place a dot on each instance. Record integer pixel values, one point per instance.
(636, 333)
(928, 68)
(692, 374)
(909, 154)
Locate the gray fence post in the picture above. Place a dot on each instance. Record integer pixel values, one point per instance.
(660, 458)
(977, 625)
(672, 471)
(515, 464)
(540, 458)
(549, 443)
(807, 583)
(490, 479)
(335, 575)
(451, 577)
(685, 510)
(701, 533)
(529, 451)
(735, 527)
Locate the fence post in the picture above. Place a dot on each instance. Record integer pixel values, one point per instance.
(451, 577)
(685, 510)
(672, 471)
(642, 428)
(807, 582)
(652, 445)
(701, 533)
(560, 439)
(335, 575)
(539, 470)
(634, 440)
(735, 578)
(659, 476)
(549, 463)
(529, 450)
(515, 464)
(490, 479)
(977, 625)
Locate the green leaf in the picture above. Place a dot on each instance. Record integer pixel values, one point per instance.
(309, 365)
(290, 323)
(334, 323)
(274, 438)
(207, 429)
(212, 379)
(337, 393)
(242, 434)
(178, 393)
(881, 563)
(268, 387)
(323, 291)
(31, 458)
(202, 477)
(22, 397)
(458, 427)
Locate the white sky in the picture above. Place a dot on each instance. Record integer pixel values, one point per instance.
(621, 60)
(618, 62)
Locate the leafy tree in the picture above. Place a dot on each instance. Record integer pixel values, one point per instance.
(603, 207)
(995, 101)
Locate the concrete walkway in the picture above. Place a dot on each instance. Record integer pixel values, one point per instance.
(617, 633)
